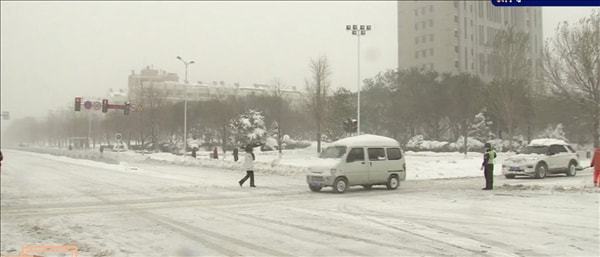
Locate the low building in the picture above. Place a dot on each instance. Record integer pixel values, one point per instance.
(167, 86)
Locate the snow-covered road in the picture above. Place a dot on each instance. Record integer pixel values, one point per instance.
(144, 209)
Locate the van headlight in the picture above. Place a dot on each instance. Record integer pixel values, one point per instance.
(333, 171)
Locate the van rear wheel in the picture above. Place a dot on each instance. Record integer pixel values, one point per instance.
(393, 182)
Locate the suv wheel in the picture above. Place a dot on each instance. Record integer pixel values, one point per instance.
(340, 185)
(393, 182)
(540, 170)
(572, 170)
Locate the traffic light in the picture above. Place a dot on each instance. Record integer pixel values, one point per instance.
(354, 125)
(104, 105)
(77, 104)
(126, 110)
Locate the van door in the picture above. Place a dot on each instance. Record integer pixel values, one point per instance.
(355, 168)
(377, 165)
(396, 161)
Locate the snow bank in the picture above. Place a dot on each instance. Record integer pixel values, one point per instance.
(547, 142)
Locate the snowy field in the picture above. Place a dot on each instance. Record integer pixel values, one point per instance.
(152, 205)
(420, 165)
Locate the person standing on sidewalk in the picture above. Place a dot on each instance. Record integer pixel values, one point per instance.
(488, 166)
(596, 164)
(248, 166)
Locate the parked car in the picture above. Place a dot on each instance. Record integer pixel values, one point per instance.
(365, 160)
(540, 158)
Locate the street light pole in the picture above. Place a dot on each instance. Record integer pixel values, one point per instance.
(186, 63)
(358, 31)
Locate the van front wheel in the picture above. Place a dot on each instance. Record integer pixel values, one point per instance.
(315, 188)
(340, 185)
(393, 182)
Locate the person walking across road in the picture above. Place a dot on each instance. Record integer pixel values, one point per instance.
(596, 164)
(248, 166)
(235, 154)
(488, 166)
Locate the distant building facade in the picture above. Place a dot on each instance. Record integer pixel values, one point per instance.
(457, 36)
(168, 85)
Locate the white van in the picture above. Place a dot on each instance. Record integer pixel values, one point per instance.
(365, 160)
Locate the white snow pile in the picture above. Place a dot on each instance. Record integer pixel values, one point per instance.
(367, 140)
(547, 142)
(418, 143)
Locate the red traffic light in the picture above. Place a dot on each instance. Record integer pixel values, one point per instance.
(104, 105)
(77, 104)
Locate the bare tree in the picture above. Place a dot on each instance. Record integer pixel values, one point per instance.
(280, 108)
(572, 67)
(509, 92)
(317, 89)
(464, 102)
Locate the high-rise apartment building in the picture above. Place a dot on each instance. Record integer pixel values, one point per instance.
(457, 36)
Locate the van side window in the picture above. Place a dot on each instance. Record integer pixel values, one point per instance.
(394, 154)
(356, 154)
(376, 154)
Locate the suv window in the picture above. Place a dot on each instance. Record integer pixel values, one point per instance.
(376, 154)
(570, 148)
(554, 149)
(394, 154)
(356, 154)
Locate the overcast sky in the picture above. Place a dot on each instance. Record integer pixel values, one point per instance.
(54, 51)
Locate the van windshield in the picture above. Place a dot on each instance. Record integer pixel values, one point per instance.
(333, 152)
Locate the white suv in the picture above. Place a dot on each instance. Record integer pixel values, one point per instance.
(542, 157)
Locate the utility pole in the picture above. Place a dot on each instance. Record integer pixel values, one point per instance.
(358, 31)
(186, 63)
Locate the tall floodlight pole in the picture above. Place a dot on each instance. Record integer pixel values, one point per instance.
(186, 63)
(358, 31)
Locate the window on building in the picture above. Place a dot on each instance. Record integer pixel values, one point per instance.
(456, 33)
(430, 23)
(465, 27)
(417, 55)
(456, 49)
(431, 8)
(416, 26)
(480, 9)
(471, 21)
(466, 59)
(456, 4)
(456, 64)
(423, 10)
(472, 38)
(416, 40)
(472, 66)
(471, 8)
(456, 18)
(430, 51)
(416, 12)
(472, 53)
(431, 38)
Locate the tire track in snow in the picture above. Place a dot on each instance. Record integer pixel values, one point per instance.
(183, 229)
(344, 236)
(244, 220)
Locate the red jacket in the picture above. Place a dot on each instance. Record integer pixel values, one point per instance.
(596, 160)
